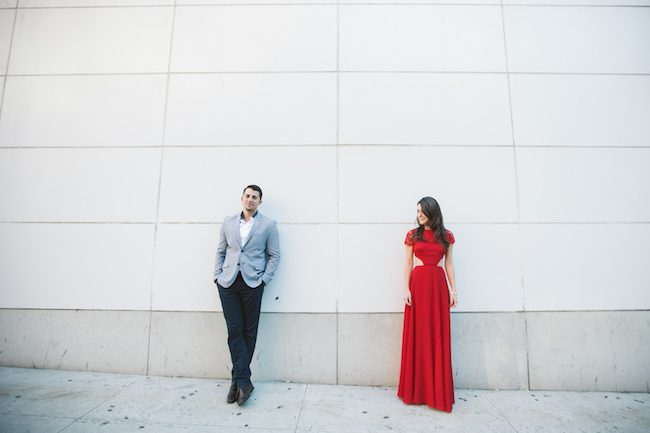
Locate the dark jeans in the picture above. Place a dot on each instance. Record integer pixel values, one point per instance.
(241, 309)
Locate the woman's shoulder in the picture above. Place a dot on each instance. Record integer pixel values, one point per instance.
(450, 237)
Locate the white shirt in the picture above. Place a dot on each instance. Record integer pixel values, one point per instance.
(245, 229)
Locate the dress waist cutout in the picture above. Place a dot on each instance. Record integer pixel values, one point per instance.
(420, 262)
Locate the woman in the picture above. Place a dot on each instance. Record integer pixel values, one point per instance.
(426, 375)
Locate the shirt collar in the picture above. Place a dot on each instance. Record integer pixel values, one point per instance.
(241, 216)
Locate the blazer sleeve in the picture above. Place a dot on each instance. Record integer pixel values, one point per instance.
(221, 253)
(273, 252)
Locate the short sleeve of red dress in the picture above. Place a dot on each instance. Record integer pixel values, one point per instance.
(450, 237)
(409, 238)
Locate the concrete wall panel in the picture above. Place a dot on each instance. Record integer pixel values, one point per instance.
(487, 260)
(579, 2)
(195, 344)
(109, 341)
(590, 351)
(287, 351)
(304, 282)
(91, 40)
(581, 110)
(384, 184)
(205, 184)
(248, 2)
(83, 111)
(251, 109)
(586, 266)
(370, 349)
(273, 38)
(489, 350)
(86, 3)
(183, 268)
(190, 344)
(454, 38)
(449, 109)
(371, 267)
(578, 39)
(76, 266)
(306, 278)
(584, 185)
(79, 185)
(411, 2)
(7, 17)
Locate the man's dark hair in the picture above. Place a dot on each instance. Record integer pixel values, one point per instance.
(254, 188)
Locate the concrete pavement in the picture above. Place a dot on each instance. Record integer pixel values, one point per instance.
(55, 401)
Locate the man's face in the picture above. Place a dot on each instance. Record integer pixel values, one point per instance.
(251, 200)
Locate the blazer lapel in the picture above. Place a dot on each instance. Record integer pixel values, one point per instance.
(256, 224)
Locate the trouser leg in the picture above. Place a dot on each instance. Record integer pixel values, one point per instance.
(241, 309)
(251, 304)
(232, 312)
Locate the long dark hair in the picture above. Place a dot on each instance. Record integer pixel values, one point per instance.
(431, 209)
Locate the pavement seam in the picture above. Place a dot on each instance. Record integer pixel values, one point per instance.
(302, 404)
(138, 378)
(487, 397)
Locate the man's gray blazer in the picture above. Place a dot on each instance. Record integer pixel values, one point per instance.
(257, 259)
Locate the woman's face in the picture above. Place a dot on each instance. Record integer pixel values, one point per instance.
(422, 218)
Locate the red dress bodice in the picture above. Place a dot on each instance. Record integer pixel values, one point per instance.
(429, 251)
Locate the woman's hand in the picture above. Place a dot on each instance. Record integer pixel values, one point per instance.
(453, 300)
(407, 297)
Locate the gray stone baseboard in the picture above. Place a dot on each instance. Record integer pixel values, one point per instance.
(577, 351)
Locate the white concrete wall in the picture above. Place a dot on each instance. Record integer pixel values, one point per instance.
(129, 128)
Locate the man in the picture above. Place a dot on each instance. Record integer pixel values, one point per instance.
(247, 257)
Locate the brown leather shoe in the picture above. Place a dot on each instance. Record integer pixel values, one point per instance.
(232, 393)
(243, 393)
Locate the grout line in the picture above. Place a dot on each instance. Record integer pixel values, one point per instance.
(337, 223)
(302, 403)
(487, 397)
(332, 3)
(517, 193)
(337, 186)
(374, 145)
(77, 222)
(212, 311)
(4, 83)
(527, 346)
(136, 6)
(489, 72)
(160, 173)
(494, 4)
(136, 379)
(110, 74)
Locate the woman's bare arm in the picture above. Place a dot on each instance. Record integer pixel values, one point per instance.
(408, 268)
(449, 267)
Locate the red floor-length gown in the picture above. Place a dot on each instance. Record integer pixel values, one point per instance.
(426, 376)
